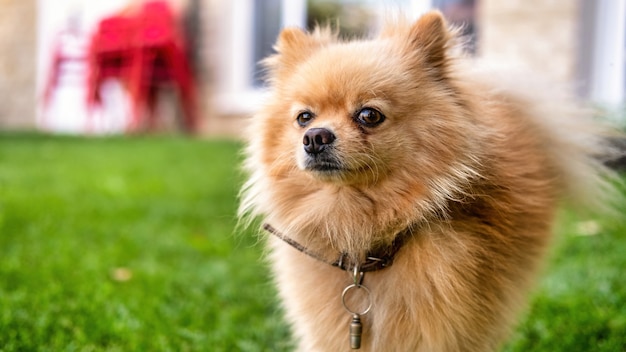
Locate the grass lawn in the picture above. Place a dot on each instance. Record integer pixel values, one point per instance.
(119, 244)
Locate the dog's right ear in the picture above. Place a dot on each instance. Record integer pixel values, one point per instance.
(293, 46)
(293, 40)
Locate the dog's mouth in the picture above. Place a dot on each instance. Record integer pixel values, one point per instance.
(323, 165)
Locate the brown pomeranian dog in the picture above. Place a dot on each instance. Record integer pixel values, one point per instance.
(411, 198)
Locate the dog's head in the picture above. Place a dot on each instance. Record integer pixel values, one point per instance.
(354, 112)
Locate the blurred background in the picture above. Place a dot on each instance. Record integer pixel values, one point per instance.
(85, 67)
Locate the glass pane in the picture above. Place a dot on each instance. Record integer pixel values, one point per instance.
(267, 21)
(351, 18)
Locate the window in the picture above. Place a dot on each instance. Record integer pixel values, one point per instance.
(266, 27)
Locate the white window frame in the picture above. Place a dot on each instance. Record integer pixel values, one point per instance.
(235, 93)
(608, 66)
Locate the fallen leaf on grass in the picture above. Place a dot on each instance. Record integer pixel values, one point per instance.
(588, 228)
(121, 274)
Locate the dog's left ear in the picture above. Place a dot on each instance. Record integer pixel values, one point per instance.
(427, 39)
(430, 35)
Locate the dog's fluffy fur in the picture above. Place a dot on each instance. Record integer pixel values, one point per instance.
(473, 168)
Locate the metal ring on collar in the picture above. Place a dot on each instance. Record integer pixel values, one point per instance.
(369, 299)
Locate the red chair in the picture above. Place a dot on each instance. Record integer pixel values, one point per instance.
(159, 58)
(145, 51)
(110, 55)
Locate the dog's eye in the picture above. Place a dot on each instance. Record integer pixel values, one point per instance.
(304, 118)
(369, 117)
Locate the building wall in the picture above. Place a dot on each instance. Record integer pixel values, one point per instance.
(17, 64)
(540, 35)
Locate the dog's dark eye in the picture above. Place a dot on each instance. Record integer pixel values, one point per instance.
(304, 118)
(369, 117)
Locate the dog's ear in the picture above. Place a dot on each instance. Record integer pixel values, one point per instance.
(427, 39)
(295, 43)
(293, 46)
(430, 35)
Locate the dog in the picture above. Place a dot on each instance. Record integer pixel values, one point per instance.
(410, 196)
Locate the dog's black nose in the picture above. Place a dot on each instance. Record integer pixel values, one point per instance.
(317, 139)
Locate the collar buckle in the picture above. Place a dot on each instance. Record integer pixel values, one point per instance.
(371, 263)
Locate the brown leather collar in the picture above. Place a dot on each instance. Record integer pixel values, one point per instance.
(375, 260)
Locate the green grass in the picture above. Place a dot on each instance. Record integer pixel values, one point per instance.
(77, 216)
(580, 304)
(73, 211)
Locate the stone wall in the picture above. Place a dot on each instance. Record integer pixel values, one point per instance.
(538, 34)
(17, 63)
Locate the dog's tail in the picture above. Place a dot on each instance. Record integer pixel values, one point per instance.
(578, 141)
